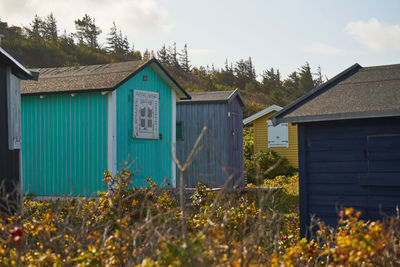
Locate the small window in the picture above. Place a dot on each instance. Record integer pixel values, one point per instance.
(278, 135)
(179, 131)
(145, 114)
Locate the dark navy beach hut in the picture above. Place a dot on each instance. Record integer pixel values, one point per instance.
(11, 72)
(349, 144)
(222, 153)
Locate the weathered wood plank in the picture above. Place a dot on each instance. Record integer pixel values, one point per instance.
(380, 179)
(338, 167)
(303, 180)
(333, 178)
(328, 156)
(338, 189)
(384, 166)
(336, 144)
(347, 201)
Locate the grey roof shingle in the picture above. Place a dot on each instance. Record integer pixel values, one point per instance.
(213, 96)
(103, 77)
(82, 78)
(362, 92)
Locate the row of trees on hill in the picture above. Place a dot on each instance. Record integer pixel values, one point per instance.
(87, 33)
(268, 88)
(39, 44)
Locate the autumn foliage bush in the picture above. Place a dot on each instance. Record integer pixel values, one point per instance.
(128, 226)
(354, 242)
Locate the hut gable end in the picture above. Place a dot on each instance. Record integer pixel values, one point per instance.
(222, 153)
(349, 145)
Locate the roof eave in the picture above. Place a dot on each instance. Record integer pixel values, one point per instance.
(202, 101)
(340, 116)
(181, 93)
(19, 70)
(70, 91)
(236, 93)
(261, 113)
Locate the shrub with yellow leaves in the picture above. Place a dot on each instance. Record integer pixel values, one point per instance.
(128, 226)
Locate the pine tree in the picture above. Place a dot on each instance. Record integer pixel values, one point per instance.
(184, 59)
(225, 75)
(124, 47)
(173, 57)
(12, 32)
(146, 55)
(306, 81)
(137, 55)
(67, 40)
(35, 28)
(118, 44)
(87, 31)
(251, 72)
(271, 80)
(319, 80)
(49, 26)
(113, 39)
(291, 86)
(162, 55)
(244, 73)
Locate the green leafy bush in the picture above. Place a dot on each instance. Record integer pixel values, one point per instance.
(267, 165)
(248, 143)
(263, 164)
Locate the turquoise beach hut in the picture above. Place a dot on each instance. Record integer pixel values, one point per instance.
(78, 122)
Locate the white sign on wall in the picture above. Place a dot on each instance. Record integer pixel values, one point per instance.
(278, 136)
(14, 111)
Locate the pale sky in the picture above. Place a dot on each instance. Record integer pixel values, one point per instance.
(279, 34)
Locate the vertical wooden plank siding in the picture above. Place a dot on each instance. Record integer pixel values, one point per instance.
(208, 166)
(9, 163)
(235, 142)
(64, 144)
(303, 192)
(343, 167)
(152, 158)
(261, 140)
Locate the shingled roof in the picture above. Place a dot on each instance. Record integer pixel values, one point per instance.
(214, 96)
(357, 92)
(103, 77)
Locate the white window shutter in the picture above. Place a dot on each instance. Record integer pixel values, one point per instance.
(155, 118)
(14, 111)
(145, 114)
(278, 136)
(135, 115)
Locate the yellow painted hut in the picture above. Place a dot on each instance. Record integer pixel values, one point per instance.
(281, 138)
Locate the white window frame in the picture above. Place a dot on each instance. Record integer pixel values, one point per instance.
(278, 136)
(14, 111)
(147, 101)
